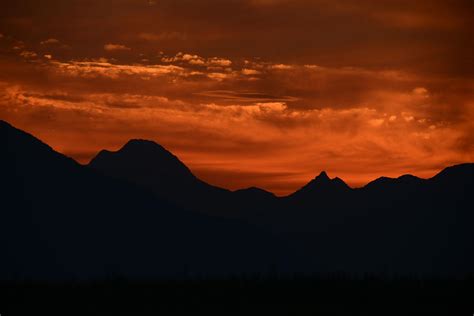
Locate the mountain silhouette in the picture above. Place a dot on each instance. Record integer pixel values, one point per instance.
(140, 212)
(145, 160)
(62, 220)
(320, 188)
(151, 166)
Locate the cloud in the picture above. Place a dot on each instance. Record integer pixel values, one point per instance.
(197, 60)
(250, 72)
(115, 47)
(193, 59)
(245, 96)
(91, 69)
(50, 41)
(216, 61)
(421, 91)
(282, 67)
(28, 54)
(219, 76)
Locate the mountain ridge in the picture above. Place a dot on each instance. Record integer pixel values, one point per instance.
(322, 176)
(321, 179)
(60, 219)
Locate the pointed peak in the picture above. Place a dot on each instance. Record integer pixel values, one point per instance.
(322, 176)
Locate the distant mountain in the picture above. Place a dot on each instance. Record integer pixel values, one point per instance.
(145, 162)
(254, 192)
(385, 183)
(320, 188)
(140, 212)
(149, 165)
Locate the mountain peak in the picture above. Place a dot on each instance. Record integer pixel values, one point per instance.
(144, 162)
(141, 144)
(323, 176)
(254, 191)
(322, 184)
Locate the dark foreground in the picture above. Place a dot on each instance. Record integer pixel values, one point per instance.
(251, 296)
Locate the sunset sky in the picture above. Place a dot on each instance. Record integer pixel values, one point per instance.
(247, 92)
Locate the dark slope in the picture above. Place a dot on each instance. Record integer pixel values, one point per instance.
(59, 219)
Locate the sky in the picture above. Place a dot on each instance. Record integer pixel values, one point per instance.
(263, 93)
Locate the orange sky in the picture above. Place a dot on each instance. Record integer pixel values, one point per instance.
(247, 92)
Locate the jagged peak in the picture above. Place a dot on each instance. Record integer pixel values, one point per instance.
(322, 183)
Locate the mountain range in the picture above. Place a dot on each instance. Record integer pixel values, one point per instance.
(139, 212)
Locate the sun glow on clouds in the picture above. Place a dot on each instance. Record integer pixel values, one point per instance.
(273, 121)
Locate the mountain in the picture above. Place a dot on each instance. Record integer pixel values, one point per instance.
(140, 212)
(152, 167)
(146, 163)
(320, 190)
(385, 183)
(59, 219)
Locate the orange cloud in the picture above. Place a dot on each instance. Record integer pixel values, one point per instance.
(49, 41)
(115, 47)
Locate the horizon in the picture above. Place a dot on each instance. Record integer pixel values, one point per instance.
(263, 93)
